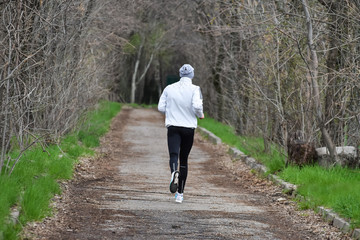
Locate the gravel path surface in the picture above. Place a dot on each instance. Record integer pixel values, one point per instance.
(124, 194)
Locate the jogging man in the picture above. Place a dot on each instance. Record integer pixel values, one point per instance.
(181, 102)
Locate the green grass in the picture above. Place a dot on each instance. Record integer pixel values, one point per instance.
(337, 188)
(36, 198)
(34, 181)
(97, 123)
(251, 146)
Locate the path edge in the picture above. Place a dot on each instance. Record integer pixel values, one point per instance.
(327, 214)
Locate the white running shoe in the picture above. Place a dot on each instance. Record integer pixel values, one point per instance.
(174, 181)
(179, 197)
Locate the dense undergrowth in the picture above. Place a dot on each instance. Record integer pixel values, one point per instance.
(35, 179)
(337, 188)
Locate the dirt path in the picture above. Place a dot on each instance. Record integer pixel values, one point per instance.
(124, 194)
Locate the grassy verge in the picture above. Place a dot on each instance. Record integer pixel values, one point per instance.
(274, 160)
(34, 181)
(336, 188)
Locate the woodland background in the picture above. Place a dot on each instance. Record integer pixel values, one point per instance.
(267, 68)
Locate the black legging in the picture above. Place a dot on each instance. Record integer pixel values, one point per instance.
(180, 141)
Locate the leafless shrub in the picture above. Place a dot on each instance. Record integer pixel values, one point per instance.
(49, 71)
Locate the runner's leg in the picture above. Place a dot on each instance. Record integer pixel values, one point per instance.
(174, 141)
(187, 139)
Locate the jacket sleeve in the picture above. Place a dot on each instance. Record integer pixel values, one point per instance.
(162, 102)
(197, 103)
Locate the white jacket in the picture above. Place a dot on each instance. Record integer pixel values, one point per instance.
(182, 103)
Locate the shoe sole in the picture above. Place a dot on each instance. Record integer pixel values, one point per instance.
(174, 182)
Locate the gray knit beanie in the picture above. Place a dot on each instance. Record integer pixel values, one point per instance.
(186, 71)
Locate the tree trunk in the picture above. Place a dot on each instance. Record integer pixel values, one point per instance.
(157, 75)
(218, 85)
(313, 68)
(136, 69)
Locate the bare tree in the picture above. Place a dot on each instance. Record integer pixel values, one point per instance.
(313, 69)
(47, 77)
(265, 67)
